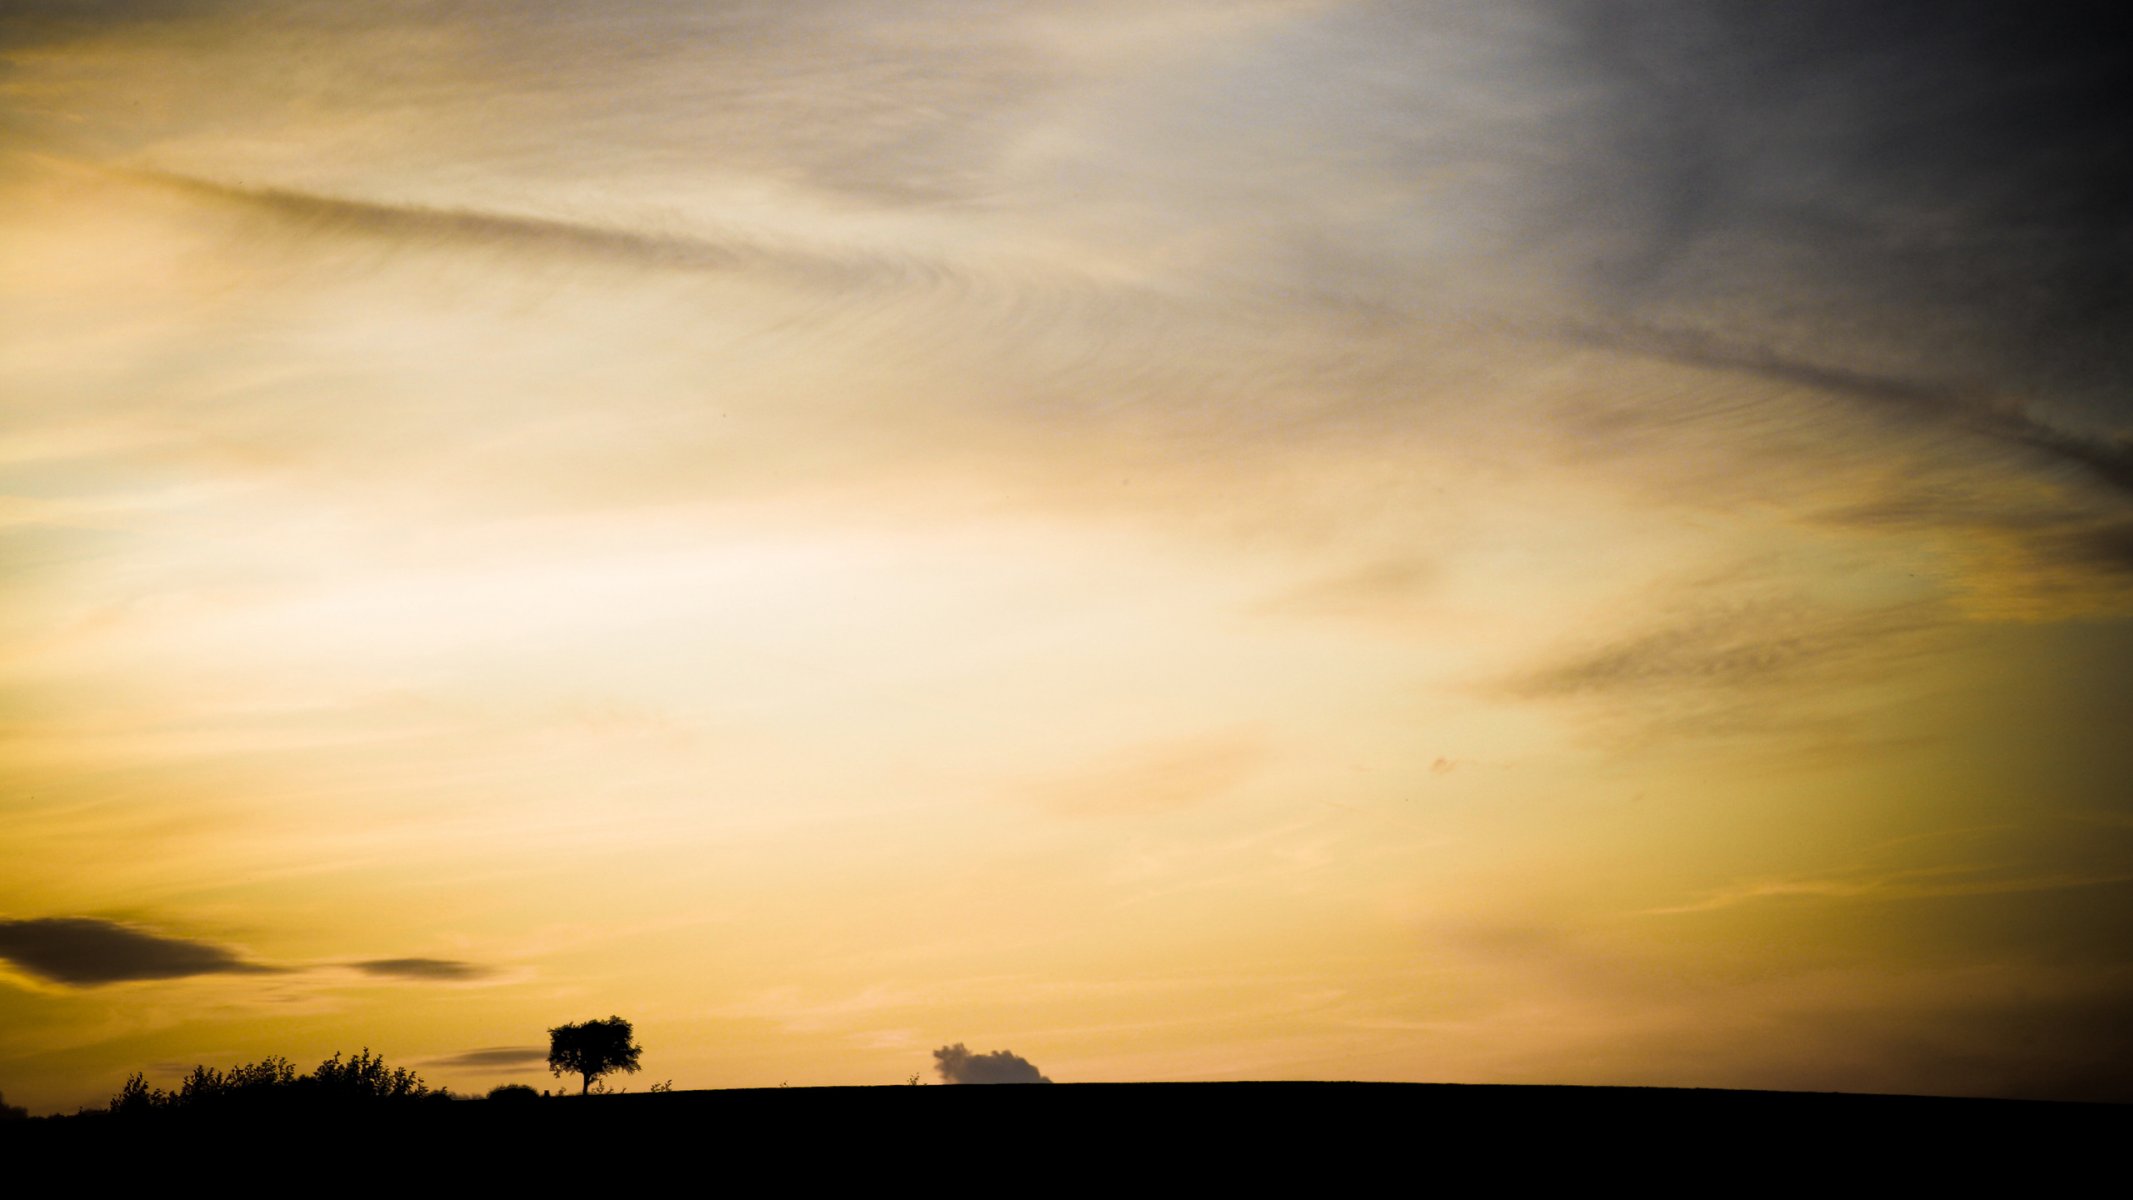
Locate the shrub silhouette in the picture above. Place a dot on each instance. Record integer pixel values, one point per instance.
(360, 1081)
(591, 1049)
(513, 1091)
(366, 1078)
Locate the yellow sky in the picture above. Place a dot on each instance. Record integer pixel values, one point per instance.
(1149, 542)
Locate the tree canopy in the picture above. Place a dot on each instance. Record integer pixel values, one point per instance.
(591, 1049)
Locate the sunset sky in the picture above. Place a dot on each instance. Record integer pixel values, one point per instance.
(1493, 541)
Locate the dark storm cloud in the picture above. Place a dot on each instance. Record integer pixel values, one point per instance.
(958, 1065)
(85, 952)
(1948, 179)
(441, 969)
(501, 1057)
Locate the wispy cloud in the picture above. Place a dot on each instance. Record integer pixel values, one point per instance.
(2044, 854)
(32, 23)
(324, 216)
(1744, 646)
(443, 970)
(1386, 589)
(2107, 460)
(497, 1057)
(1920, 884)
(342, 216)
(1936, 180)
(1155, 776)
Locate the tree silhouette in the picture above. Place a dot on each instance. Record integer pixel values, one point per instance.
(592, 1049)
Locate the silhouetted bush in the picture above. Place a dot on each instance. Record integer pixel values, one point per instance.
(274, 1084)
(12, 1112)
(513, 1091)
(365, 1078)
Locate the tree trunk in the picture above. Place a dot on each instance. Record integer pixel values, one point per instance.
(587, 1089)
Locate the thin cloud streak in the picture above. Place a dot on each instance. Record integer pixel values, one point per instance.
(1922, 884)
(1748, 646)
(2108, 461)
(330, 216)
(442, 970)
(495, 1057)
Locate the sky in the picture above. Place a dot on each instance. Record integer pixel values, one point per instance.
(1527, 541)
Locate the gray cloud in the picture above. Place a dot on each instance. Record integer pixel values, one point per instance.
(2054, 542)
(2108, 460)
(31, 23)
(330, 215)
(2107, 544)
(958, 1065)
(1740, 646)
(617, 244)
(441, 969)
(495, 1057)
(1754, 672)
(1920, 167)
(1910, 884)
(85, 951)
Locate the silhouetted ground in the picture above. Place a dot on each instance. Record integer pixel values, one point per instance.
(996, 1138)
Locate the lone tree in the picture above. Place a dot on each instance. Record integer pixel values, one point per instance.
(592, 1049)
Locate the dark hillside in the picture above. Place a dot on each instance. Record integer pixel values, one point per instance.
(1331, 1130)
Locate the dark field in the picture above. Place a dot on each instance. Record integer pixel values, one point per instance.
(1405, 1134)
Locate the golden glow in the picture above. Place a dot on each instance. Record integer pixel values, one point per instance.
(649, 545)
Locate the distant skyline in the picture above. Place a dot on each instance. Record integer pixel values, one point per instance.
(1527, 541)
